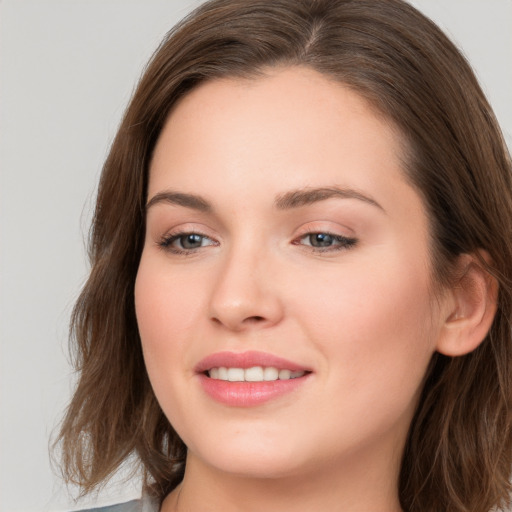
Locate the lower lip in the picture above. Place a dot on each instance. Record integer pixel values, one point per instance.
(249, 394)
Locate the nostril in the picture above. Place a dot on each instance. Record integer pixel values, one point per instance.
(250, 319)
(254, 319)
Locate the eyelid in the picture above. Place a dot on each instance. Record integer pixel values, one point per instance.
(339, 241)
(330, 227)
(185, 228)
(165, 241)
(344, 240)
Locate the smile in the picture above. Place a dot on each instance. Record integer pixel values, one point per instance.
(249, 379)
(254, 374)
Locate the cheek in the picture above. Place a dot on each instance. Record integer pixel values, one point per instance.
(374, 328)
(166, 310)
(166, 307)
(166, 315)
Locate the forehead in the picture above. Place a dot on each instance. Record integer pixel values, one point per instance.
(276, 99)
(290, 128)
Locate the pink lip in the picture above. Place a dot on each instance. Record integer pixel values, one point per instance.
(246, 360)
(247, 394)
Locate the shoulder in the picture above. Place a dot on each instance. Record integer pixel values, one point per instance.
(142, 505)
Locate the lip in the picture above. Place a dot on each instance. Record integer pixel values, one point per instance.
(247, 360)
(248, 394)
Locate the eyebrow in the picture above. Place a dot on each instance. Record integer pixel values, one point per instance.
(178, 198)
(306, 196)
(286, 201)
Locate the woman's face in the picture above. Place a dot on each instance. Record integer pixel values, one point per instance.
(283, 242)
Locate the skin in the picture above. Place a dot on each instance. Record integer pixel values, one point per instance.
(361, 317)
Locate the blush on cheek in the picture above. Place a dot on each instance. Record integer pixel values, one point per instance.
(383, 326)
(157, 304)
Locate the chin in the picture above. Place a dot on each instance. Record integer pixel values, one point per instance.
(254, 457)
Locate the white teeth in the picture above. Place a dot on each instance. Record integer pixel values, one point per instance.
(254, 374)
(270, 373)
(236, 374)
(284, 374)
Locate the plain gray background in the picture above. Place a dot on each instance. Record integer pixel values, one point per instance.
(67, 69)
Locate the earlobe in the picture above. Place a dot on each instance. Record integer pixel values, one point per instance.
(472, 307)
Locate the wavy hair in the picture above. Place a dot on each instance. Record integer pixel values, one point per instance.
(458, 453)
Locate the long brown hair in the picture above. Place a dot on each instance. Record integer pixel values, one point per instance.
(458, 453)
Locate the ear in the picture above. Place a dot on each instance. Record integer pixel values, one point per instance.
(471, 307)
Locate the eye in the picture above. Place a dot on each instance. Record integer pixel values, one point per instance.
(183, 243)
(326, 241)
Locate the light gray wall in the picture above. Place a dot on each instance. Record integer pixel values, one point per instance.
(67, 68)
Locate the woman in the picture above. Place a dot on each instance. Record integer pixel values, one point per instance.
(301, 271)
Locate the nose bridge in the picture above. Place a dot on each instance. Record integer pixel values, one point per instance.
(243, 294)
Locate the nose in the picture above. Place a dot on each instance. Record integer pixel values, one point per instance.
(245, 294)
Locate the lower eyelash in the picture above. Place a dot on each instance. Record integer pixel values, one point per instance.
(166, 241)
(345, 244)
(165, 244)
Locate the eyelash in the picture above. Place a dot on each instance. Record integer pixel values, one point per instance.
(167, 241)
(344, 243)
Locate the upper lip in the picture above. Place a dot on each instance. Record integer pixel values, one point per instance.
(246, 360)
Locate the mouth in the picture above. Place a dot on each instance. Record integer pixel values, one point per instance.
(249, 378)
(250, 366)
(254, 374)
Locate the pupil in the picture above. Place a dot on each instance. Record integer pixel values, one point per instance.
(321, 240)
(191, 241)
